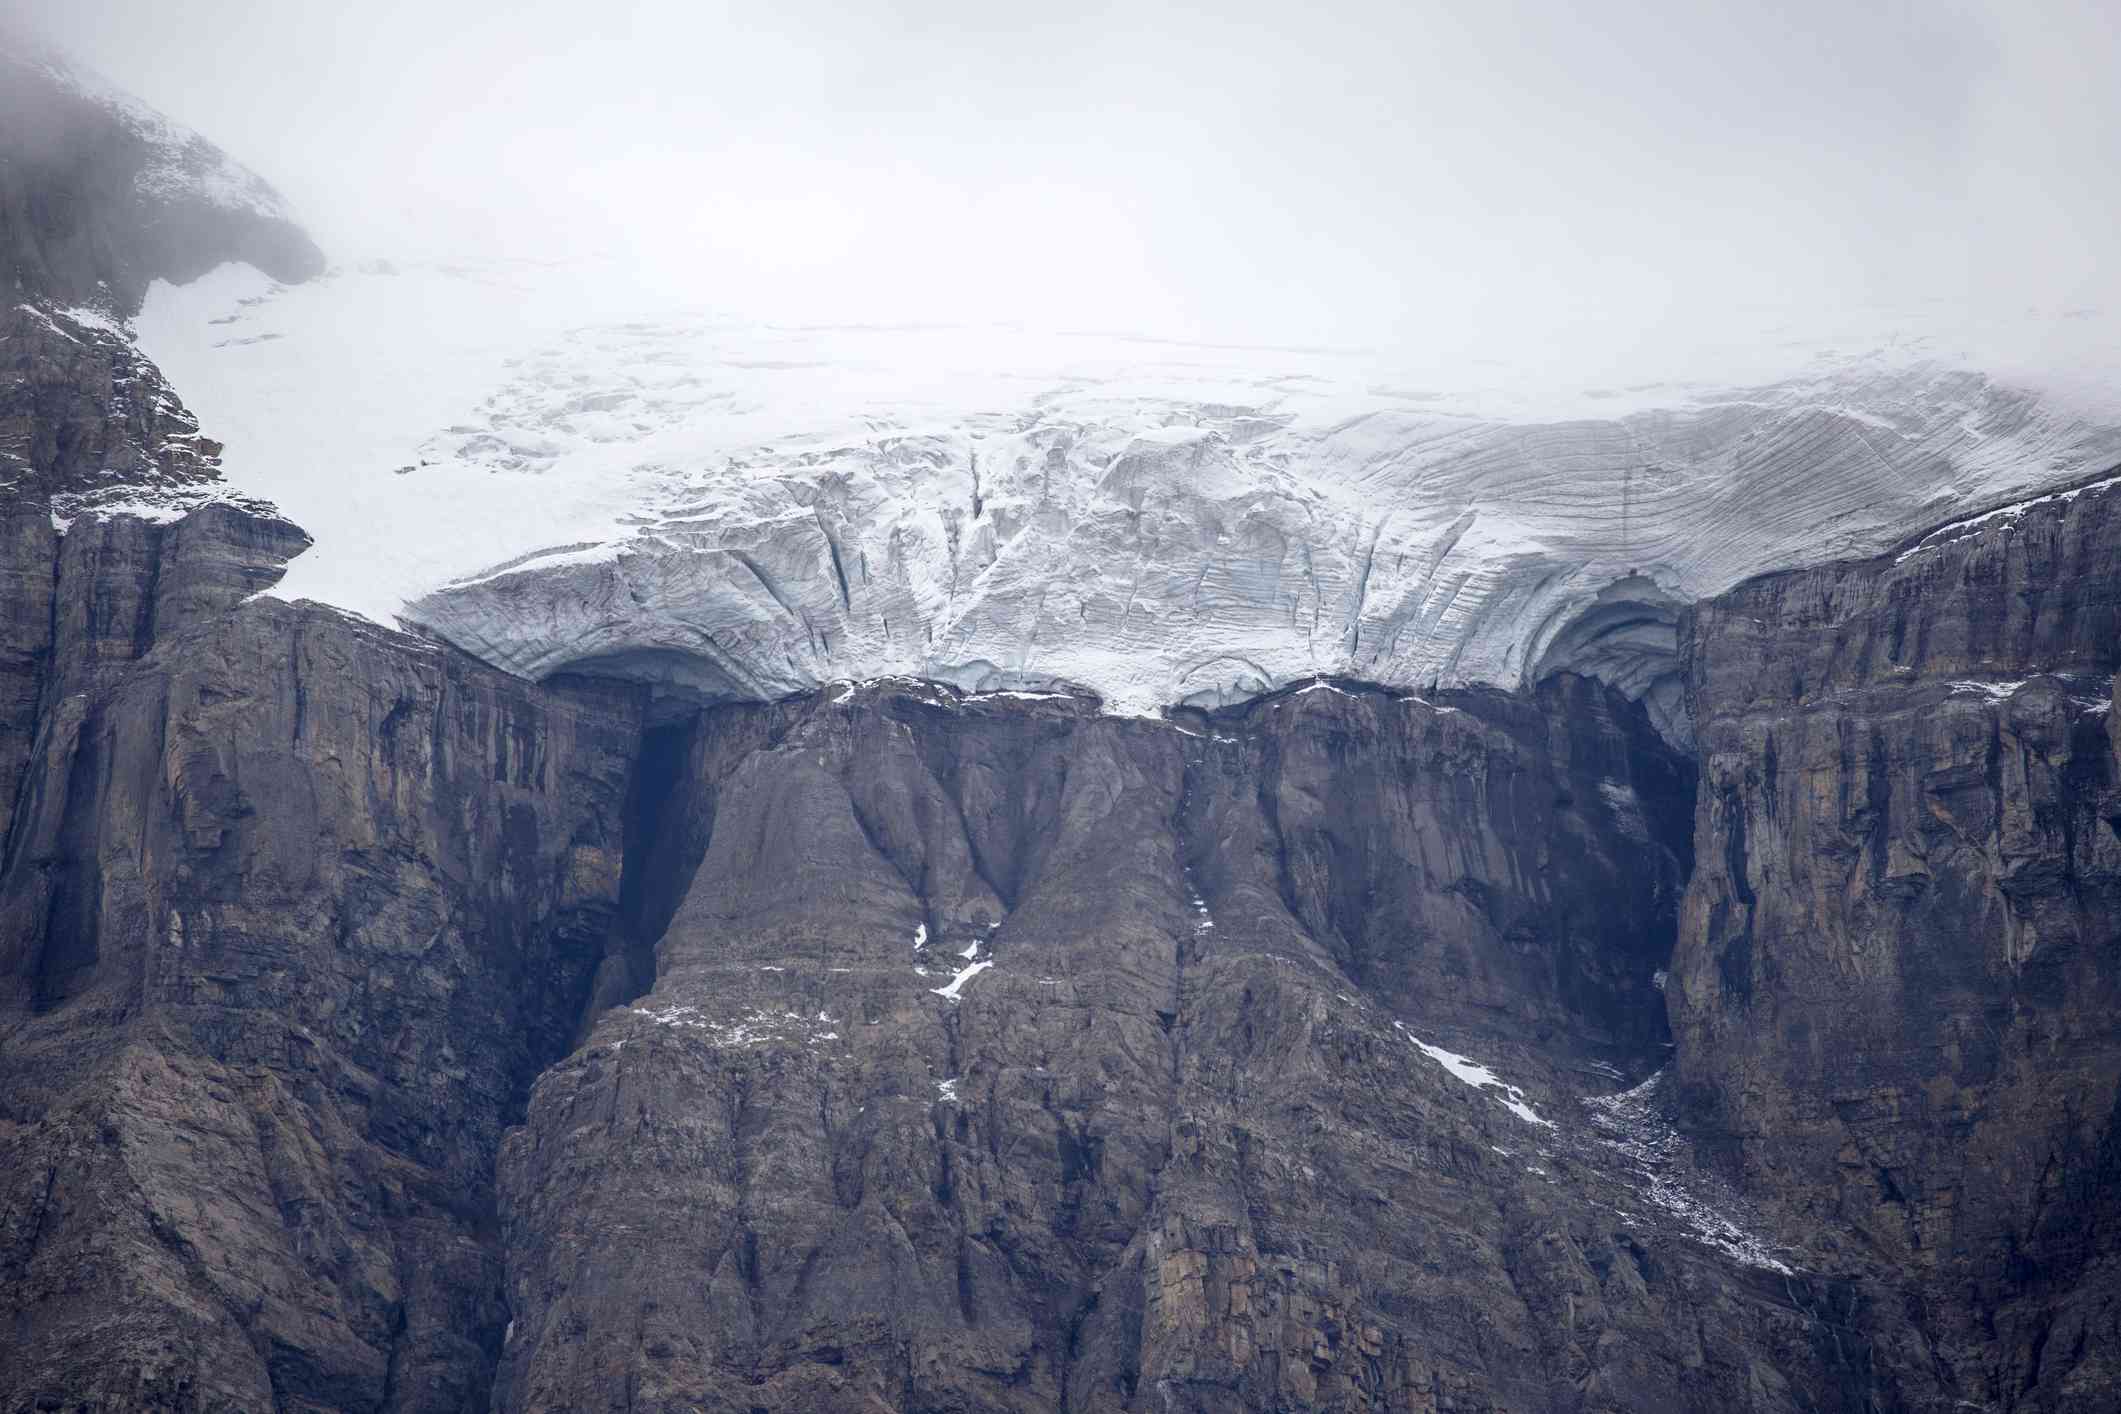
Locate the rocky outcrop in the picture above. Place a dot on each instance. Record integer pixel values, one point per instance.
(83, 605)
(1897, 983)
(98, 196)
(88, 425)
(28, 563)
(384, 1032)
(1716, 1012)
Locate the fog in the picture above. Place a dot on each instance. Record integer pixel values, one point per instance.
(1462, 178)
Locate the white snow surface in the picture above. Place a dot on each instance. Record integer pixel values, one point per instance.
(550, 474)
(956, 989)
(1478, 1076)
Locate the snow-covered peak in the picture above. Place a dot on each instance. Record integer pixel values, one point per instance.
(104, 194)
(180, 164)
(554, 477)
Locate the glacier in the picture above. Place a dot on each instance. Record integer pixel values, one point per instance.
(559, 477)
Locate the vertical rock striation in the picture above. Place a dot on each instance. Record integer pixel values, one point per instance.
(1004, 1056)
(381, 1032)
(1899, 973)
(291, 910)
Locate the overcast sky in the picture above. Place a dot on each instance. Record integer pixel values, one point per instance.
(1447, 174)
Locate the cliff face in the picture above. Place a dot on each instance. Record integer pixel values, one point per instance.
(296, 909)
(1899, 976)
(86, 421)
(291, 911)
(1001, 1055)
(82, 606)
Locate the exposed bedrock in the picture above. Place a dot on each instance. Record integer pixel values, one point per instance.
(645, 1018)
(1003, 1056)
(1897, 993)
(291, 911)
(86, 420)
(81, 606)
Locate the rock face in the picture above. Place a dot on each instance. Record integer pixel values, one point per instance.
(291, 912)
(890, 1048)
(291, 908)
(88, 426)
(1898, 987)
(384, 1032)
(84, 605)
(1005, 1056)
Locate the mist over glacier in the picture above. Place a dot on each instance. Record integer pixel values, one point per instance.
(1586, 194)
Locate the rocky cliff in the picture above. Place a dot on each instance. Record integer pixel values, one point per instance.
(292, 912)
(1898, 985)
(1002, 1055)
(387, 1033)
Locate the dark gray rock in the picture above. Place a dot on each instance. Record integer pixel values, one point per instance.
(86, 421)
(29, 563)
(1176, 1148)
(382, 1032)
(296, 914)
(1898, 986)
(83, 606)
(292, 910)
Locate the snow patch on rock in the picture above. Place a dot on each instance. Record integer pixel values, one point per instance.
(1630, 1122)
(955, 990)
(1478, 1076)
(756, 1027)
